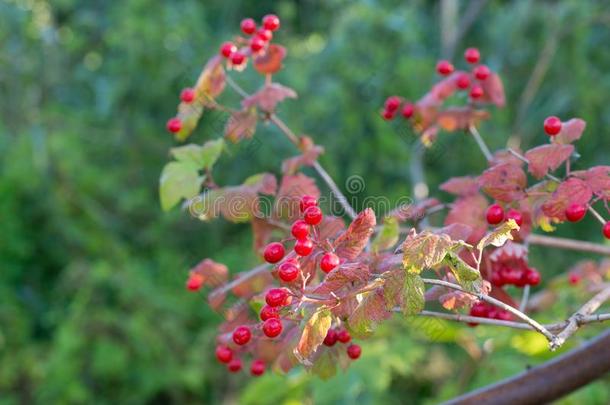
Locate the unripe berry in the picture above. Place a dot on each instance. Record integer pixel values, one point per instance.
(271, 22)
(187, 95)
(265, 35)
(472, 55)
(495, 214)
(354, 351)
(227, 49)
(476, 92)
(224, 354)
(300, 229)
(268, 312)
(329, 261)
(234, 365)
(248, 26)
(174, 125)
(194, 282)
(343, 336)
(241, 335)
(481, 72)
(444, 68)
(331, 338)
(303, 247)
(552, 126)
(288, 272)
(272, 327)
(515, 215)
(238, 58)
(575, 212)
(388, 115)
(256, 44)
(462, 81)
(276, 297)
(606, 230)
(392, 103)
(408, 110)
(307, 201)
(313, 215)
(274, 252)
(257, 368)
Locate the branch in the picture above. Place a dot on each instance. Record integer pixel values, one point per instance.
(241, 278)
(482, 145)
(571, 244)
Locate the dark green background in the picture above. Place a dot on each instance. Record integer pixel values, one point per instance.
(92, 300)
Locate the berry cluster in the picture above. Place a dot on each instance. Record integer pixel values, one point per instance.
(484, 310)
(514, 272)
(234, 364)
(341, 335)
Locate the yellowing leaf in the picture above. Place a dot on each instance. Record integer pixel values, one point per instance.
(388, 236)
(414, 294)
(241, 124)
(500, 235)
(178, 180)
(313, 335)
(424, 250)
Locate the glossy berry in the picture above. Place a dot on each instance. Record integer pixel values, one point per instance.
(606, 230)
(331, 338)
(300, 229)
(234, 365)
(392, 103)
(257, 44)
(268, 312)
(248, 26)
(241, 335)
(495, 214)
(227, 49)
(463, 81)
(515, 215)
(574, 278)
(272, 327)
(479, 310)
(354, 351)
(502, 315)
(575, 212)
(238, 58)
(288, 272)
(224, 354)
(388, 115)
(257, 368)
(472, 55)
(481, 72)
(476, 92)
(265, 35)
(276, 297)
(194, 282)
(408, 110)
(552, 126)
(329, 261)
(444, 68)
(271, 22)
(303, 247)
(532, 277)
(307, 201)
(274, 252)
(313, 215)
(343, 336)
(187, 95)
(174, 125)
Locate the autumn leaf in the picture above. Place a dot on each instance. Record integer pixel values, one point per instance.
(424, 250)
(499, 235)
(325, 366)
(353, 241)
(545, 158)
(345, 275)
(393, 289)
(291, 189)
(493, 90)
(456, 231)
(388, 235)
(461, 186)
(571, 131)
(370, 311)
(241, 124)
(460, 269)
(307, 158)
(268, 97)
(313, 335)
(570, 191)
(504, 182)
(413, 211)
(214, 274)
(271, 61)
(460, 118)
(414, 294)
(598, 179)
(211, 81)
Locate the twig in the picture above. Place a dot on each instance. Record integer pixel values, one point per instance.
(571, 244)
(482, 145)
(597, 215)
(524, 298)
(242, 278)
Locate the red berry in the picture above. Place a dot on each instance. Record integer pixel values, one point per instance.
(271, 22)
(268, 312)
(503, 315)
(272, 327)
(248, 26)
(234, 365)
(354, 351)
(174, 125)
(575, 212)
(241, 335)
(238, 58)
(224, 354)
(392, 103)
(574, 278)
(300, 229)
(303, 247)
(276, 297)
(194, 282)
(476, 92)
(481, 72)
(532, 277)
(388, 115)
(472, 55)
(307, 201)
(606, 230)
(444, 68)
(265, 35)
(552, 126)
(512, 276)
(331, 338)
(329, 261)
(408, 110)
(463, 81)
(187, 95)
(343, 336)
(227, 49)
(313, 215)
(479, 310)
(274, 252)
(256, 44)
(495, 214)
(257, 368)
(497, 279)
(516, 215)
(288, 272)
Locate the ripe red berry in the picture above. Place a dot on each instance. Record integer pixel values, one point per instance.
(174, 125)
(329, 261)
(241, 335)
(532, 277)
(307, 201)
(271, 22)
(268, 312)
(574, 278)
(495, 214)
(256, 44)
(481, 72)
(462, 81)
(248, 26)
(265, 35)
(503, 315)
(300, 229)
(575, 212)
(187, 95)
(388, 115)
(313, 215)
(354, 351)
(227, 49)
(194, 282)
(476, 92)
(288, 272)
(272, 327)
(224, 354)
(276, 297)
(552, 126)
(497, 279)
(408, 110)
(444, 68)
(479, 309)
(274, 252)
(343, 336)
(472, 55)
(606, 230)
(515, 215)
(257, 368)
(331, 338)
(392, 103)
(238, 58)
(234, 365)
(303, 247)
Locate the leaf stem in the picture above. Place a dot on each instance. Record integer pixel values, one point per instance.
(482, 145)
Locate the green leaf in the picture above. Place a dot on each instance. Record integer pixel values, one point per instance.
(462, 270)
(388, 236)
(178, 180)
(314, 332)
(500, 235)
(325, 366)
(414, 294)
(202, 156)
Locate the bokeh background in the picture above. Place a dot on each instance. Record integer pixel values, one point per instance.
(92, 301)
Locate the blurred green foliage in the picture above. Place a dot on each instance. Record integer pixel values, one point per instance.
(92, 301)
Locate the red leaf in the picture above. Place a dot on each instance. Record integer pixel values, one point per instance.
(571, 191)
(307, 158)
(504, 156)
(469, 211)
(271, 61)
(456, 231)
(241, 124)
(371, 309)
(504, 182)
(461, 186)
(346, 275)
(213, 273)
(570, 131)
(493, 90)
(598, 178)
(292, 188)
(351, 243)
(460, 118)
(547, 158)
(211, 81)
(268, 97)
(413, 212)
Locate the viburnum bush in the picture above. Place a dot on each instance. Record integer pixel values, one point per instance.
(324, 285)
